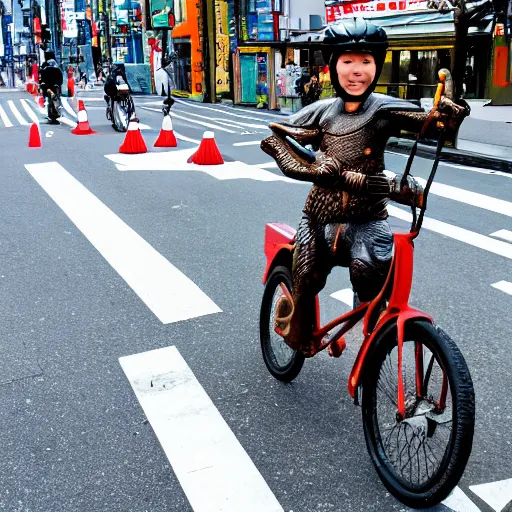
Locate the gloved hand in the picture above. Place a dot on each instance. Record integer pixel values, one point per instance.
(382, 186)
(452, 114)
(410, 194)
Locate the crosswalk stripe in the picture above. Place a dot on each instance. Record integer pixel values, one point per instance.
(202, 123)
(248, 143)
(29, 111)
(67, 121)
(213, 468)
(167, 292)
(227, 122)
(4, 118)
(192, 105)
(504, 286)
(17, 113)
(496, 494)
(68, 108)
(346, 296)
(504, 234)
(457, 501)
(465, 196)
(460, 234)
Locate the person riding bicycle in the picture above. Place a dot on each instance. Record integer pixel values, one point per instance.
(344, 218)
(117, 76)
(51, 75)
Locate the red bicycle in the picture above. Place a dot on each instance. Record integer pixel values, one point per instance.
(418, 402)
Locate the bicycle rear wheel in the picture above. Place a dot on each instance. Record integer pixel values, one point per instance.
(282, 362)
(420, 458)
(120, 115)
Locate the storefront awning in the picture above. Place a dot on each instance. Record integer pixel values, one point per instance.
(423, 25)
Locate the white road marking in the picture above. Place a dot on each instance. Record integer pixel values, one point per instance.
(29, 111)
(268, 165)
(185, 138)
(4, 118)
(193, 105)
(248, 143)
(17, 113)
(495, 494)
(346, 296)
(223, 121)
(202, 123)
(168, 293)
(67, 121)
(144, 126)
(176, 160)
(458, 166)
(211, 465)
(460, 234)
(457, 501)
(465, 196)
(68, 108)
(504, 234)
(506, 287)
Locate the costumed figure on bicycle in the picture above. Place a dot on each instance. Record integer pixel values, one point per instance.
(344, 218)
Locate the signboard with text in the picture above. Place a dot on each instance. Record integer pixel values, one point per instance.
(372, 8)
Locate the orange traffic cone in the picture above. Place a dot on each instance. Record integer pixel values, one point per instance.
(166, 139)
(208, 153)
(40, 101)
(34, 140)
(83, 127)
(133, 142)
(71, 87)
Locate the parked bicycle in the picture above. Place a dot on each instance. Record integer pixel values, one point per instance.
(409, 377)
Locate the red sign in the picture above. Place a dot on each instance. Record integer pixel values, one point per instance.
(372, 8)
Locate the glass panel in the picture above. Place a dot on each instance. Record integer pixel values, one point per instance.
(248, 72)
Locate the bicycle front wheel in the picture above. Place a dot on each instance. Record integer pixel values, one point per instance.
(282, 362)
(419, 458)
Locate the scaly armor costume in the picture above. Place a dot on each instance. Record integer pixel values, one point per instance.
(344, 218)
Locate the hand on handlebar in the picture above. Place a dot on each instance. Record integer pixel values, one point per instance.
(410, 193)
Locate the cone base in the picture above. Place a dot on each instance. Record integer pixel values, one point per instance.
(166, 139)
(207, 154)
(133, 143)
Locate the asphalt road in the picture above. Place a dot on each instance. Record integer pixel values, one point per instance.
(75, 436)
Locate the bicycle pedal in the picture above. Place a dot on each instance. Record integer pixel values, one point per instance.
(337, 347)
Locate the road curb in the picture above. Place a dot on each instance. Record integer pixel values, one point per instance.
(455, 156)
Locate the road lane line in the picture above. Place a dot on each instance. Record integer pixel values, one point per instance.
(227, 122)
(268, 165)
(248, 143)
(29, 111)
(168, 293)
(504, 234)
(68, 108)
(211, 465)
(217, 110)
(462, 235)
(208, 125)
(496, 494)
(506, 287)
(465, 196)
(457, 501)
(67, 121)
(17, 113)
(185, 138)
(4, 118)
(346, 296)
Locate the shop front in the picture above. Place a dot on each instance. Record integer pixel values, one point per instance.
(254, 77)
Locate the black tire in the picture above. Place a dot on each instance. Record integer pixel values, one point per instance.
(460, 408)
(286, 365)
(120, 116)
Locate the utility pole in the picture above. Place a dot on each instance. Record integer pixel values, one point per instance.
(209, 50)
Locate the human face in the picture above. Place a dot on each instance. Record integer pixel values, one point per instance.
(356, 72)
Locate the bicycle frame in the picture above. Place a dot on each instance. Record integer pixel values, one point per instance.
(279, 245)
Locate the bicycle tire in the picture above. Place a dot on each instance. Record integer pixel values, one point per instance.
(456, 455)
(116, 120)
(283, 372)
